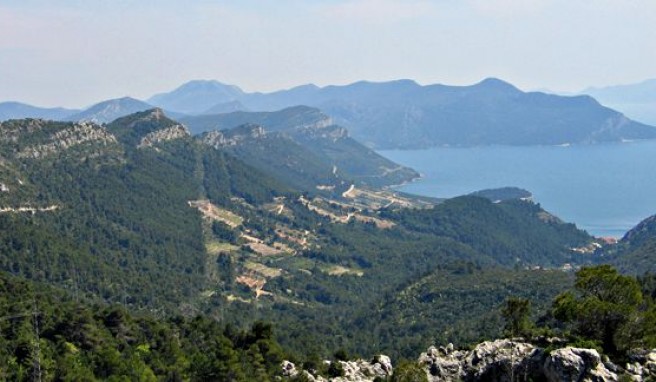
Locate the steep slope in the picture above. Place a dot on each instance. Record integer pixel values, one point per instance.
(278, 155)
(637, 101)
(315, 132)
(109, 110)
(107, 209)
(635, 253)
(17, 110)
(196, 96)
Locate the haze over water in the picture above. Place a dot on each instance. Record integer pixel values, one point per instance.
(605, 189)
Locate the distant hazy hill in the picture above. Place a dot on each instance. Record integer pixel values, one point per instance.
(285, 119)
(17, 110)
(196, 96)
(637, 101)
(311, 136)
(109, 110)
(404, 114)
(226, 107)
(636, 252)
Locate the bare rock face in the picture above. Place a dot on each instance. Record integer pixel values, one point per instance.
(574, 364)
(233, 137)
(354, 371)
(642, 364)
(500, 360)
(508, 360)
(168, 134)
(288, 369)
(63, 139)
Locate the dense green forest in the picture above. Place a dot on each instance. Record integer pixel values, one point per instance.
(140, 214)
(49, 336)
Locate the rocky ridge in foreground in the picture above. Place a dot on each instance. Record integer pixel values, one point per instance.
(499, 360)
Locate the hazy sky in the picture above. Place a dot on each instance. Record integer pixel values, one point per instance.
(77, 52)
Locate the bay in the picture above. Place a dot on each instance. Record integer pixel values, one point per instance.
(605, 189)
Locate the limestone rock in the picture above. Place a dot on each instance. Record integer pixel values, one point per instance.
(354, 371)
(574, 364)
(509, 360)
(642, 365)
(168, 134)
(66, 138)
(288, 369)
(233, 137)
(500, 360)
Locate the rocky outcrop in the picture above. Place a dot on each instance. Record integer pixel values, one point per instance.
(508, 360)
(353, 371)
(168, 134)
(642, 365)
(77, 134)
(233, 137)
(574, 364)
(11, 132)
(501, 360)
(288, 369)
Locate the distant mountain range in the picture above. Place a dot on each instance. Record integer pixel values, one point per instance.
(18, 110)
(398, 114)
(107, 111)
(196, 97)
(404, 114)
(637, 101)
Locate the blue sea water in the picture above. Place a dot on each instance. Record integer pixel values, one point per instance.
(605, 189)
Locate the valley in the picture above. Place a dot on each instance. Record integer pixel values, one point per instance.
(247, 224)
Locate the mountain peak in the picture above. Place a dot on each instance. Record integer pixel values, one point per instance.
(109, 110)
(493, 83)
(206, 85)
(197, 96)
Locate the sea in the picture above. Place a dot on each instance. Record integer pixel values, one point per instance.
(605, 189)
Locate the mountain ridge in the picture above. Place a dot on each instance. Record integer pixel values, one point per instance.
(19, 110)
(107, 111)
(403, 114)
(637, 100)
(330, 145)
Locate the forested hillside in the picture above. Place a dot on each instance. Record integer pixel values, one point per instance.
(635, 253)
(48, 335)
(140, 213)
(326, 143)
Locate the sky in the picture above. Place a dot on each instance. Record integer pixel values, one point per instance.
(74, 53)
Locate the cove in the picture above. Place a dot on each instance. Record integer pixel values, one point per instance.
(605, 189)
